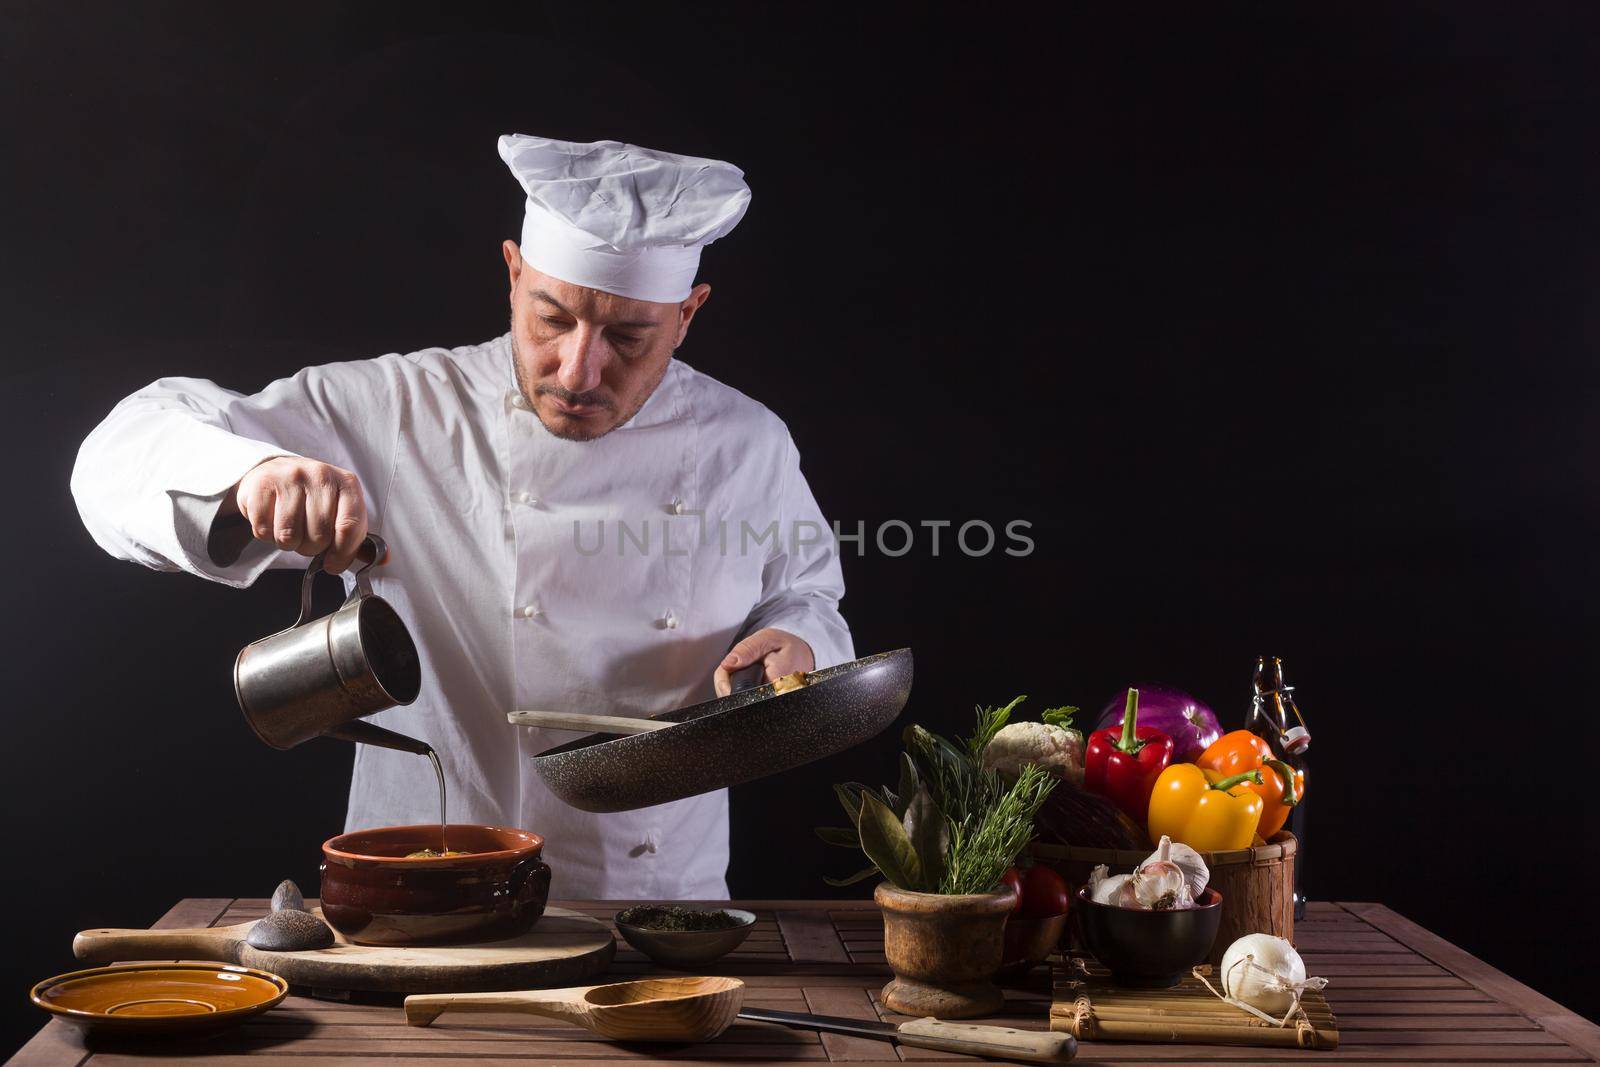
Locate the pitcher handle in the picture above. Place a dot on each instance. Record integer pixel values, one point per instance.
(370, 557)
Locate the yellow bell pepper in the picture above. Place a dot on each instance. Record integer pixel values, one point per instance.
(1203, 809)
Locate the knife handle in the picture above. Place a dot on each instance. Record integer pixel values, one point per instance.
(996, 1042)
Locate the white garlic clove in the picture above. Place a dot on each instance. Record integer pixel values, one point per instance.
(1161, 886)
(1109, 889)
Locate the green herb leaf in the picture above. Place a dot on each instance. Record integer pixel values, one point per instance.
(859, 876)
(849, 795)
(1061, 716)
(990, 722)
(842, 836)
(909, 782)
(885, 843)
(929, 833)
(930, 750)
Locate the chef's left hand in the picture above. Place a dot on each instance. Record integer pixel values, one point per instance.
(778, 651)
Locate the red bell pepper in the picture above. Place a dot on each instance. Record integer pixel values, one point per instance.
(1123, 765)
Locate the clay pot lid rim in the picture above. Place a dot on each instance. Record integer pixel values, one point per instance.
(532, 846)
(36, 993)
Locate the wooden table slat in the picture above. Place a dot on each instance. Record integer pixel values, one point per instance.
(1568, 1025)
(1402, 995)
(852, 1004)
(57, 1044)
(811, 936)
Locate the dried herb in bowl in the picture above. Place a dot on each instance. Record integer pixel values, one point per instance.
(658, 917)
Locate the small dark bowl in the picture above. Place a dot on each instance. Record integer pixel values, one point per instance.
(374, 895)
(1149, 949)
(685, 949)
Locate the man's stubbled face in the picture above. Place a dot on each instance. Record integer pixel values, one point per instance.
(588, 360)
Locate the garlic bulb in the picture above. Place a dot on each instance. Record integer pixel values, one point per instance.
(1266, 973)
(1159, 884)
(1108, 888)
(1172, 877)
(1195, 871)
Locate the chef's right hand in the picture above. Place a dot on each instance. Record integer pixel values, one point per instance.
(303, 506)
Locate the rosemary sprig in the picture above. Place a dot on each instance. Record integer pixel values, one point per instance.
(990, 840)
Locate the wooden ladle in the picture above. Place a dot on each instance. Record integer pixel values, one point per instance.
(651, 1009)
(699, 1009)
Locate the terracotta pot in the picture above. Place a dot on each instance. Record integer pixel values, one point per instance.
(944, 951)
(374, 895)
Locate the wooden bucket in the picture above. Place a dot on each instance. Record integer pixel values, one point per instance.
(1257, 884)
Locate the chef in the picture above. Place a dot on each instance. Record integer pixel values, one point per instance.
(577, 520)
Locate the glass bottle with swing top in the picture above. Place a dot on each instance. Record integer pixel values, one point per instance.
(1276, 718)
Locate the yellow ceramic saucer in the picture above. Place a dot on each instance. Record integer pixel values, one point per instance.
(159, 998)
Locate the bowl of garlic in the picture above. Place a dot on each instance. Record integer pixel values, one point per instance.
(1150, 927)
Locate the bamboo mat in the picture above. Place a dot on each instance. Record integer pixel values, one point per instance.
(1091, 1007)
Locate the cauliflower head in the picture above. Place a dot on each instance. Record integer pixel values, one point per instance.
(1056, 749)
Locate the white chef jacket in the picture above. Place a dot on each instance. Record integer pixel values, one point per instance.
(508, 564)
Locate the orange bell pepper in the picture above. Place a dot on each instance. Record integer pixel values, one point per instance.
(1281, 785)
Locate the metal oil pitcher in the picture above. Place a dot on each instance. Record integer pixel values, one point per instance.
(320, 676)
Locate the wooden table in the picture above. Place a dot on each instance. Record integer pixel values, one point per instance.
(1403, 995)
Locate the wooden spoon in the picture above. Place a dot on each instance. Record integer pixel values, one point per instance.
(589, 724)
(699, 1009)
(652, 1009)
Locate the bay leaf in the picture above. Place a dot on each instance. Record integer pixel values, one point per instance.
(884, 840)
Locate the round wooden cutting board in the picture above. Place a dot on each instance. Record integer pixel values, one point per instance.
(564, 948)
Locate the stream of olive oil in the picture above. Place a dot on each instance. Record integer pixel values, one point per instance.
(438, 772)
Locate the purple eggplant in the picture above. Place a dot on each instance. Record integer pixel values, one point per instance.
(1191, 725)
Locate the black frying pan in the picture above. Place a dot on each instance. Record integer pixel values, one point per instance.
(735, 739)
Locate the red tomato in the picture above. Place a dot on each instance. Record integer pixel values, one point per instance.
(1013, 880)
(1044, 893)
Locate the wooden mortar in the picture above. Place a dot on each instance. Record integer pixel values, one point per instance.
(944, 951)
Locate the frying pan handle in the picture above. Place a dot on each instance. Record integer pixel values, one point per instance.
(604, 724)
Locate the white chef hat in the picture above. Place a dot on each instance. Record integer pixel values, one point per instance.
(620, 218)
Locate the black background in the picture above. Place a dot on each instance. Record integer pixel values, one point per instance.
(1277, 324)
